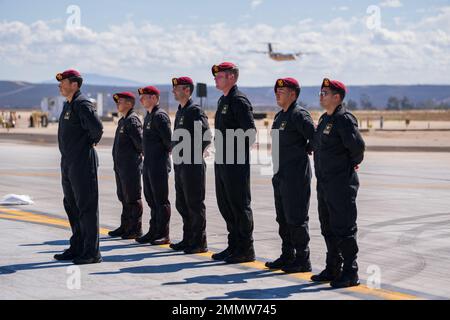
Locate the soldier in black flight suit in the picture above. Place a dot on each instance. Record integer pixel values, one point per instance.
(292, 177)
(190, 167)
(234, 114)
(338, 151)
(79, 131)
(127, 156)
(157, 165)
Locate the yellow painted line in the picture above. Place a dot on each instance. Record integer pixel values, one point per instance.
(29, 174)
(19, 215)
(37, 218)
(44, 174)
(361, 289)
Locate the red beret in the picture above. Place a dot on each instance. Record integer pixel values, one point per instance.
(128, 95)
(149, 90)
(182, 81)
(287, 83)
(222, 67)
(71, 73)
(334, 85)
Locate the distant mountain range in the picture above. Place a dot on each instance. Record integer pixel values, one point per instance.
(100, 80)
(24, 95)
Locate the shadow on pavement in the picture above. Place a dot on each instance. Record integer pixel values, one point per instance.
(272, 293)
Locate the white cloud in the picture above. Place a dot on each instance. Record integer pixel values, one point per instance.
(391, 4)
(255, 3)
(343, 49)
(342, 8)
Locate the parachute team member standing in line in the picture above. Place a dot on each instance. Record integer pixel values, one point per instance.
(157, 143)
(338, 150)
(190, 167)
(79, 130)
(127, 156)
(292, 178)
(234, 114)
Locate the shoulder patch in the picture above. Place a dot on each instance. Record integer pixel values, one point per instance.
(328, 128)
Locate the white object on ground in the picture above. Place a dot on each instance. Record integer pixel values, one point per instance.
(14, 199)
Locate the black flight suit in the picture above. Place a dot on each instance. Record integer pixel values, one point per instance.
(157, 166)
(190, 176)
(292, 181)
(233, 179)
(127, 156)
(338, 148)
(79, 130)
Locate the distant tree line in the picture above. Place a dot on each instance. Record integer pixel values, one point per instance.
(395, 103)
(364, 104)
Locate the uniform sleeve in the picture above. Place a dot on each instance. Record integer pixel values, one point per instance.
(135, 133)
(315, 140)
(90, 121)
(304, 124)
(203, 118)
(243, 111)
(163, 125)
(351, 138)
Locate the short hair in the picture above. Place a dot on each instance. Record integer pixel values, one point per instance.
(191, 88)
(78, 80)
(131, 100)
(296, 90)
(340, 93)
(234, 71)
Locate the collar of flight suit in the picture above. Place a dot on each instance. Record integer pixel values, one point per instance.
(338, 108)
(188, 104)
(291, 107)
(232, 91)
(129, 113)
(155, 108)
(75, 96)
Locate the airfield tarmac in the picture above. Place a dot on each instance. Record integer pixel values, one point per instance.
(404, 236)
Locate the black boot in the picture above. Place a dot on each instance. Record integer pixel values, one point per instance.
(134, 215)
(332, 270)
(198, 243)
(180, 246)
(67, 255)
(87, 260)
(241, 256)
(132, 235)
(345, 280)
(222, 255)
(195, 249)
(160, 241)
(147, 238)
(327, 275)
(116, 233)
(162, 233)
(120, 231)
(300, 264)
(349, 249)
(150, 235)
(282, 261)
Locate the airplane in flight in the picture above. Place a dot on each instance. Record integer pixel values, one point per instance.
(278, 56)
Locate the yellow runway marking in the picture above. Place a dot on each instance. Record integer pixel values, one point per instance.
(37, 218)
(19, 215)
(44, 174)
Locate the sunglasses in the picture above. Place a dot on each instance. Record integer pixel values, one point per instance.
(324, 93)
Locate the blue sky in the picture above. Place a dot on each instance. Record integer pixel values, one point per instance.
(99, 14)
(149, 41)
